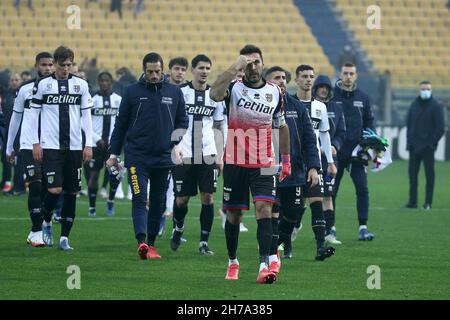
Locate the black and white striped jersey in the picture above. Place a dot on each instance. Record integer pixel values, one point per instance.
(22, 105)
(61, 103)
(202, 112)
(104, 114)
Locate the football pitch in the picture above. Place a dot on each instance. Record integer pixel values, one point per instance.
(411, 250)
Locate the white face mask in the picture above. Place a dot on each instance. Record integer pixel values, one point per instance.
(425, 94)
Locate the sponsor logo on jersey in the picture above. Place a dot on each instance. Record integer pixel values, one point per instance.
(62, 99)
(105, 112)
(256, 96)
(255, 106)
(200, 110)
(200, 99)
(63, 88)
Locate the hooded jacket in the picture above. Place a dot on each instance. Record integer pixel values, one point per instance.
(148, 114)
(335, 114)
(358, 115)
(304, 154)
(425, 125)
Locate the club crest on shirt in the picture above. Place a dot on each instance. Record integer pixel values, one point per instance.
(49, 86)
(31, 172)
(269, 97)
(50, 179)
(318, 113)
(186, 96)
(244, 92)
(226, 196)
(76, 88)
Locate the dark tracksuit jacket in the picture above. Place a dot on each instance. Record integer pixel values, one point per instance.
(358, 116)
(148, 114)
(303, 143)
(425, 127)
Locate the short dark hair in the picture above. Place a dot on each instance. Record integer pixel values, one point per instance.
(425, 82)
(25, 73)
(152, 57)
(349, 65)
(249, 48)
(104, 73)
(273, 69)
(303, 67)
(181, 61)
(200, 58)
(63, 53)
(43, 55)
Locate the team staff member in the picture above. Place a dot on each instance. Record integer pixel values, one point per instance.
(149, 113)
(358, 116)
(425, 126)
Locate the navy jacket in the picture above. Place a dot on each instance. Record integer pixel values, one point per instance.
(357, 113)
(304, 155)
(425, 125)
(148, 114)
(335, 113)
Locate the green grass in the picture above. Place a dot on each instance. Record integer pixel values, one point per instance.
(411, 248)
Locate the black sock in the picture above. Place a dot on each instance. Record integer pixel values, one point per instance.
(34, 205)
(275, 236)
(362, 222)
(318, 222)
(329, 220)
(140, 237)
(105, 179)
(232, 237)
(113, 185)
(264, 234)
(285, 231)
(49, 204)
(206, 221)
(92, 193)
(300, 216)
(178, 215)
(68, 214)
(151, 239)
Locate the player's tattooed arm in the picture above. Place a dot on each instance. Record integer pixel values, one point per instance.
(219, 88)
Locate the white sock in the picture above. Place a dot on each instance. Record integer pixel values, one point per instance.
(233, 261)
(47, 224)
(262, 265)
(273, 258)
(203, 243)
(363, 226)
(62, 239)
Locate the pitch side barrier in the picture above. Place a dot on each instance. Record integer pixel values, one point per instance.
(396, 136)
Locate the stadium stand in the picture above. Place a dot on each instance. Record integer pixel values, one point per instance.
(214, 27)
(413, 42)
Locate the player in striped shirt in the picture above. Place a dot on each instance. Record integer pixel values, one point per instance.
(33, 170)
(63, 101)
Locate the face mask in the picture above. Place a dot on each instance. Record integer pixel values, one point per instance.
(425, 94)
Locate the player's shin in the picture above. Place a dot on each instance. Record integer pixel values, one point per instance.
(68, 214)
